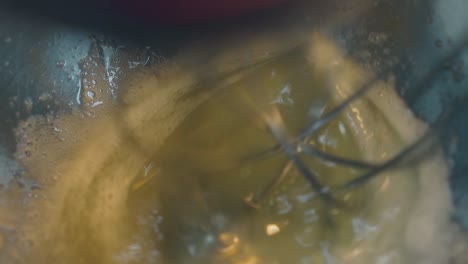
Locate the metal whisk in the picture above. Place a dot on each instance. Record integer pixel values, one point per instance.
(298, 146)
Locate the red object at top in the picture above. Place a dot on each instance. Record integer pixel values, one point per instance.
(192, 11)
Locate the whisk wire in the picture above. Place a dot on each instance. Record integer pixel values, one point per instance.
(300, 143)
(312, 151)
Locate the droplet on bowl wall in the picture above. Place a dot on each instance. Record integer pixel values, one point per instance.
(61, 64)
(28, 105)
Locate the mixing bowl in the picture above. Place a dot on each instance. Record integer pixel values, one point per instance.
(314, 133)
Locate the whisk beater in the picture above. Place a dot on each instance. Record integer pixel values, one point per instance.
(298, 145)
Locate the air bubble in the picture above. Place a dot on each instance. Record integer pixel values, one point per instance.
(283, 205)
(91, 94)
(307, 238)
(310, 216)
(272, 229)
(44, 97)
(377, 38)
(60, 64)
(97, 103)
